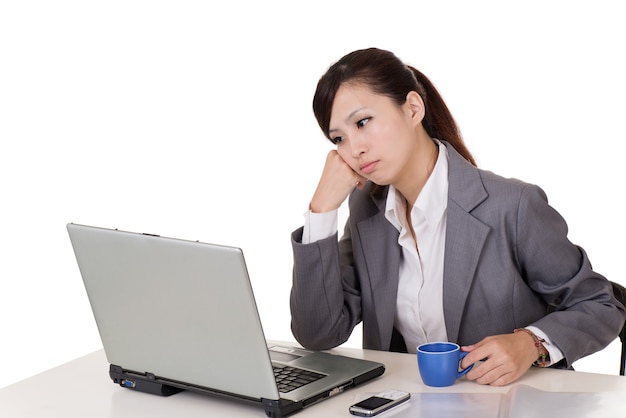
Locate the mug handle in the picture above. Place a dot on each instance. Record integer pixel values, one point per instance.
(461, 357)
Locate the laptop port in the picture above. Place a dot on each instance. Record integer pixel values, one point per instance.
(127, 383)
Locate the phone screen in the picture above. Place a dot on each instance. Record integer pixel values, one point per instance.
(373, 403)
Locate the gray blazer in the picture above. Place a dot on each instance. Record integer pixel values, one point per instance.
(507, 264)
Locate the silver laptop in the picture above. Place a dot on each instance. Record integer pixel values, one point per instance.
(180, 315)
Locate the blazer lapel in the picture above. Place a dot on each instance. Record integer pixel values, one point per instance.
(379, 240)
(465, 238)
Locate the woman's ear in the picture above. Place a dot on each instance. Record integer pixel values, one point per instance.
(415, 106)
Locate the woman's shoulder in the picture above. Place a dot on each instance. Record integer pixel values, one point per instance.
(493, 180)
(471, 186)
(507, 191)
(461, 171)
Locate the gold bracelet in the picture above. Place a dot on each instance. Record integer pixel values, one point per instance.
(543, 360)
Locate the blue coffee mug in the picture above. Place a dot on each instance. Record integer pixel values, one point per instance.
(439, 363)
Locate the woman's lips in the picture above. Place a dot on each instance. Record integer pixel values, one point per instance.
(367, 168)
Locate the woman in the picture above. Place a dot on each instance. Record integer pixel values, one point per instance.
(434, 248)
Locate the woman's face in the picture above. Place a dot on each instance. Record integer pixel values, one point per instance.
(373, 135)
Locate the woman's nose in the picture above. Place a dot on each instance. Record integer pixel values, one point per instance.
(358, 146)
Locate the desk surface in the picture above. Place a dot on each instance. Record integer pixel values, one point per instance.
(82, 388)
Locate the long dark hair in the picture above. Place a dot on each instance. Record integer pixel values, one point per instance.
(385, 74)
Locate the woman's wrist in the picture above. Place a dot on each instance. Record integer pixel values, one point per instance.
(543, 357)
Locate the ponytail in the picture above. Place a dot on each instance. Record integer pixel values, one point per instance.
(438, 121)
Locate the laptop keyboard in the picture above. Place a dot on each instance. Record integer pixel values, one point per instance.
(289, 378)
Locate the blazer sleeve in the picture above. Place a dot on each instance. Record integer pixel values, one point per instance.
(325, 298)
(585, 316)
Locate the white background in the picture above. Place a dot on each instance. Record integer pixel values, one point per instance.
(192, 119)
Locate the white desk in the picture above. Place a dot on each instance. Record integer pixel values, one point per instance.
(82, 388)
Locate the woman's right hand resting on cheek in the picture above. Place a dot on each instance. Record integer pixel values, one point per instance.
(338, 180)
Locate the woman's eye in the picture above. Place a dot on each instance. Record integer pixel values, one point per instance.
(336, 140)
(361, 123)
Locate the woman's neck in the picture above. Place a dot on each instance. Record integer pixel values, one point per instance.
(423, 164)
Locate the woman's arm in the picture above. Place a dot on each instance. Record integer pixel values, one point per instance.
(325, 297)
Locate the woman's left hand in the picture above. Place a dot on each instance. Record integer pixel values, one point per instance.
(506, 358)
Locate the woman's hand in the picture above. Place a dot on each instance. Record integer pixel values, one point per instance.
(337, 181)
(507, 357)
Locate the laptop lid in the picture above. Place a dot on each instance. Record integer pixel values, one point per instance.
(182, 314)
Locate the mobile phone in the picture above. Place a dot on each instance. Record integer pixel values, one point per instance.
(378, 403)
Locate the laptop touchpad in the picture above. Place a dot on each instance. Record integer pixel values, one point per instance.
(285, 355)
